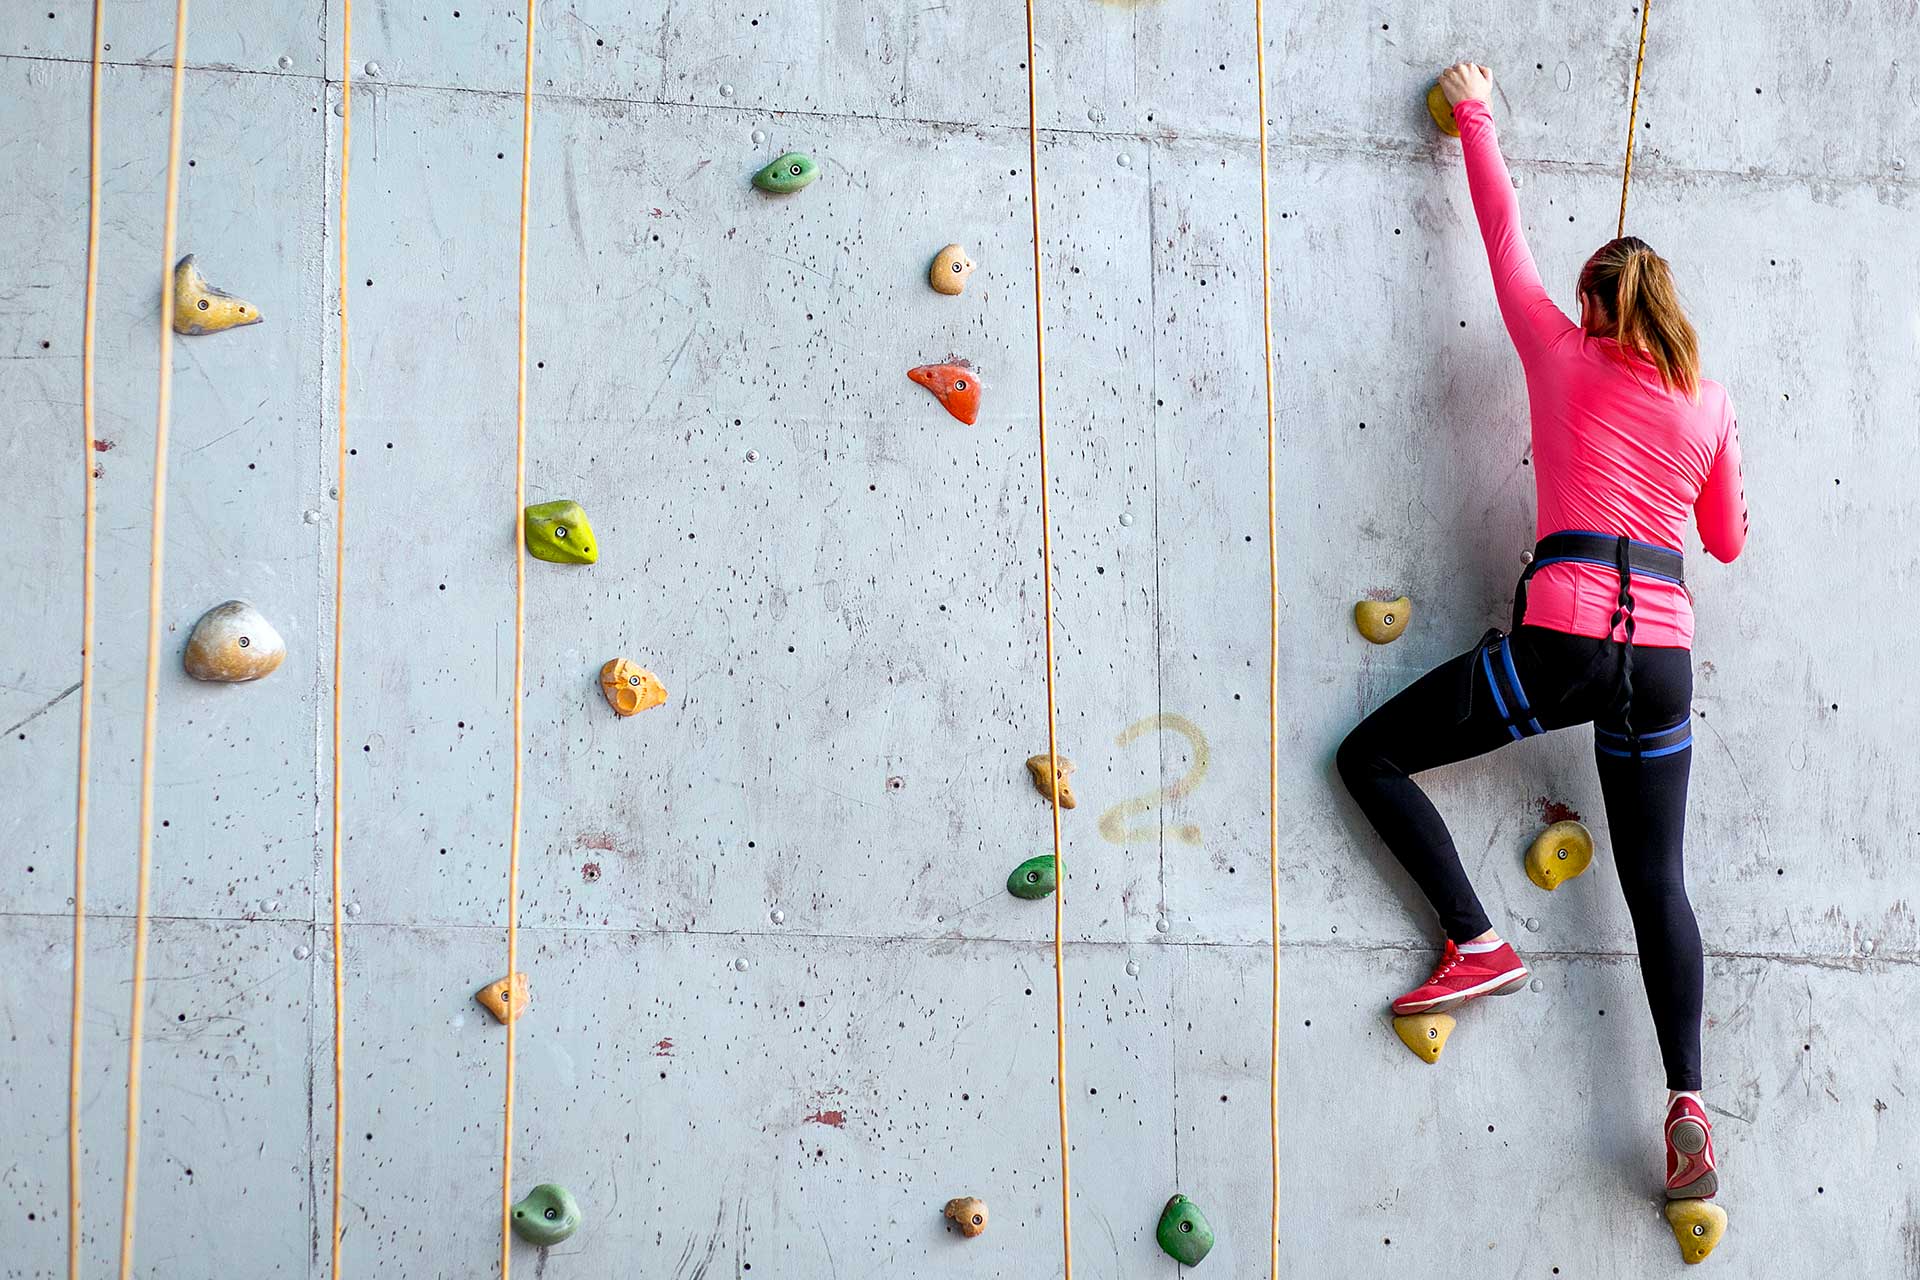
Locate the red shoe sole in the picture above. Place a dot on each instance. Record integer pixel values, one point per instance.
(1689, 1137)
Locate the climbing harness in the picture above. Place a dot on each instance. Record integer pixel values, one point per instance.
(1627, 558)
(339, 646)
(1046, 607)
(163, 416)
(519, 644)
(84, 751)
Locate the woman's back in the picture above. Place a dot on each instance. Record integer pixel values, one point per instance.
(1615, 449)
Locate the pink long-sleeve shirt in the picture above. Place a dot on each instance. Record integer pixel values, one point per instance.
(1614, 451)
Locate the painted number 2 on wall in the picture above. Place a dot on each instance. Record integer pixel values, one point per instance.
(1114, 822)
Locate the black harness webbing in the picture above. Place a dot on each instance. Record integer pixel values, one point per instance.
(1626, 558)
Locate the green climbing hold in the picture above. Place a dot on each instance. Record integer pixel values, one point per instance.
(1184, 1232)
(788, 174)
(1033, 878)
(547, 1216)
(558, 531)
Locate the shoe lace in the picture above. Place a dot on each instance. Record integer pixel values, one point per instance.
(1448, 959)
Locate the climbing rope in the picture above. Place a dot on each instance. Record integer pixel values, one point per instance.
(1633, 115)
(1273, 646)
(136, 1022)
(77, 1018)
(519, 650)
(1046, 607)
(339, 646)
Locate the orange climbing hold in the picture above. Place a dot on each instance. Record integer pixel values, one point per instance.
(956, 385)
(1041, 767)
(504, 999)
(630, 687)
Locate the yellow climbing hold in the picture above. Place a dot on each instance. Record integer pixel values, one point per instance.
(1698, 1226)
(1382, 621)
(1041, 767)
(1558, 854)
(1424, 1033)
(1442, 111)
(198, 307)
(504, 999)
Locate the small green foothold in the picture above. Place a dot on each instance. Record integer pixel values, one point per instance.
(787, 175)
(1184, 1232)
(1032, 878)
(558, 531)
(547, 1216)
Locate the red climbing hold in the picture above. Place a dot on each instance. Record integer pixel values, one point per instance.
(956, 384)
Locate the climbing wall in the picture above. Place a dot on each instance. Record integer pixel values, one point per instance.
(782, 1006)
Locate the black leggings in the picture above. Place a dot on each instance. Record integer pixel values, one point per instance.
(1530, 682)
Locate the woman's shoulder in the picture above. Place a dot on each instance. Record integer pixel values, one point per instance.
(1715, 402)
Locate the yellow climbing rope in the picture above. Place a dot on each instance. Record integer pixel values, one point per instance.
(136, 1022)
(1633, 115)
(1273, 646)
(519, 647)
(339, 646)
(77, 1017)
(1046, 606)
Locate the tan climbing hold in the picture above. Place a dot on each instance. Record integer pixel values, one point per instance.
(1041, 767)
(951, 267)
(495, 999)
(1698, 1226)
(969, 1213)
(1442, 111)
(233, 643)
(630, 687)
(1382, 621)
(198, 307)
(1424, 1033)
(1558, 854)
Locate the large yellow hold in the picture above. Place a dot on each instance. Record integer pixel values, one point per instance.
(1382, 621)
(1558, 854)
(1424, 1033)
(1698, 1226)
(198, 307)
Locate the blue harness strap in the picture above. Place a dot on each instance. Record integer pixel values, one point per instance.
(1509, 698)
(1652, 745)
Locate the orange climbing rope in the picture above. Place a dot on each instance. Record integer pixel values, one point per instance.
(77, 1022)
(339, 646)
(519, 649)
(1273, 646)
(1046, 605)
(1633, 115)
(136, 1022)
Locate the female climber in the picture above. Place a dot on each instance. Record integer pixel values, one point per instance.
(1627, 436)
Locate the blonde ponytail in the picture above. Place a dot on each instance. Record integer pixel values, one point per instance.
(1634, 287)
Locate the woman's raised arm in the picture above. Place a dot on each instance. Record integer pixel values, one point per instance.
(1531, 317)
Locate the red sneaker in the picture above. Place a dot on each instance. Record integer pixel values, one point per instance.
(1690, 1169)
(1465, 975)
